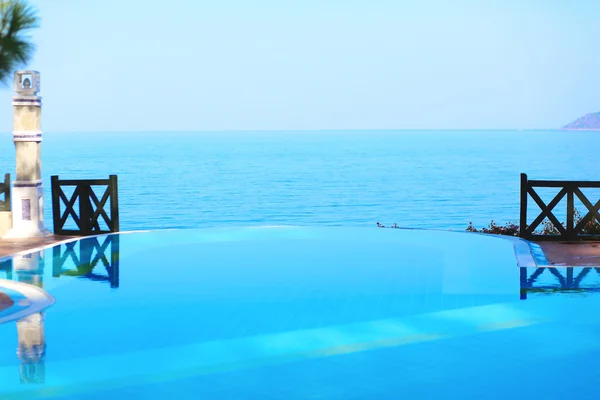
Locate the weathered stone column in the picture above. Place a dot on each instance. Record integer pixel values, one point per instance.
(27, 191)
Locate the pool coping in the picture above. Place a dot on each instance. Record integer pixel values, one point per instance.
(527, 254)
(38, 299)
(69, 240)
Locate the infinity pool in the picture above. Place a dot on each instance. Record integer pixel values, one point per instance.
(300, 313)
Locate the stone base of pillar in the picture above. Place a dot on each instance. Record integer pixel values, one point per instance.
(5, 222)
(27, 211)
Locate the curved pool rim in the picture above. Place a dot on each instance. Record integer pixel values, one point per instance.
(527, 254)
(28, 299)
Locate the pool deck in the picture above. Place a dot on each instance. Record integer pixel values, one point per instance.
(558, 253)
(13, 246)
(571, 253)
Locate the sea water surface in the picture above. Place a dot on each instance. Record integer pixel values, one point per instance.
(420, 179)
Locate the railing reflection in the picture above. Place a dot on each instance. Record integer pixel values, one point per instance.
(86, 260)
(569, 281)
(6, 270)
(85, 255)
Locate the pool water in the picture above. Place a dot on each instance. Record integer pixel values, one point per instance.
(299, 313)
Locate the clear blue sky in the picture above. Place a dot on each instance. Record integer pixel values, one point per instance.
(121, 65)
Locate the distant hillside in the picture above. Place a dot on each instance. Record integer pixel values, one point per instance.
(588, 121)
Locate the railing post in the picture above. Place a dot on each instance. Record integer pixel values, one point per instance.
(114, 203)
(7, 200)
(5, 189)
(523, 215)
(570, 212)
(85, 208)
(55, 204)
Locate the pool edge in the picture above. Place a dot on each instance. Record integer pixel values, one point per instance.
(39, 298)
(527, 254)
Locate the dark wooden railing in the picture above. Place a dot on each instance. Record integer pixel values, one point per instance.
(570, 232)
(92, 250)
(91, 208)
(5, 190)
(571, 281)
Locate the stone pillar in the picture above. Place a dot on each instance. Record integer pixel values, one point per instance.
(27, 192)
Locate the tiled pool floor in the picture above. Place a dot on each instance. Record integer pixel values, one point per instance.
(300, 313)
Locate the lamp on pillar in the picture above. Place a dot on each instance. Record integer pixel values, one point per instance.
(27, 191)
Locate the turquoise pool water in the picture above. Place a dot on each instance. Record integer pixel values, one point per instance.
(299, 313)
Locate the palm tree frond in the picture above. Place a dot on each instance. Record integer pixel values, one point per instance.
(16, 18)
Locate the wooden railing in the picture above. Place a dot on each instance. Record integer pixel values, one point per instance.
(92, 250)
(5, 190)
(91, 208)
(570, 232)
(571, 281)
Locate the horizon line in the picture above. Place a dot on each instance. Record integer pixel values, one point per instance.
(310, 130)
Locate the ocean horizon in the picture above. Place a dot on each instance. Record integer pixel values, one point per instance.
(441, 179)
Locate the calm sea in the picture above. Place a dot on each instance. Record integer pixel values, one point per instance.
(422, 179)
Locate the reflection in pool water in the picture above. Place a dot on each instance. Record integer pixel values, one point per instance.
(26, 309)
(298, 313)
(84, 255)
(32, 348)
(567, 280)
